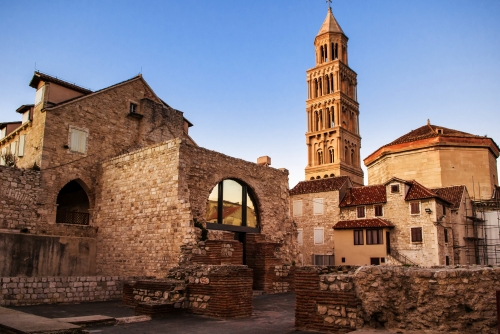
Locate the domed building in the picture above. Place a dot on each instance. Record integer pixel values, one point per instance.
(438, 157)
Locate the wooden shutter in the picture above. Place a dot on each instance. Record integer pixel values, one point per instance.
(22, 141)
(318, 206)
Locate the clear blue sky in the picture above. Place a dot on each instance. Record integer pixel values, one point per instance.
(237, 68)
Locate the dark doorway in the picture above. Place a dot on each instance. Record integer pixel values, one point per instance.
(72, 205)
(388, 242)
(375, 261)
(241, 237)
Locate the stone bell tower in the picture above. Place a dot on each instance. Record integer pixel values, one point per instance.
(332, 137)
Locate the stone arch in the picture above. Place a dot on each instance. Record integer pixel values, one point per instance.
(73, 203)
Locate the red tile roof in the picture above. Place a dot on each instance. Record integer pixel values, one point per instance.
(39, 76)
(452, 194)
(429, 131)
(364, 195)
(418, 191)
(321, 185)
(362, 223)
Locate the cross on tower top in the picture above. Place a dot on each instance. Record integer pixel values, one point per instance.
(329, 2)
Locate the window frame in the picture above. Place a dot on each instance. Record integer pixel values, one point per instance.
(85, 131)
(322, 229)
(360, 209)
(446, 236)
(318, 203)
(419, 208)
(300, 236)
(379, 236)
(357, 240)
(420, 234)
(378, 206)
(295, 204)
(395, 186)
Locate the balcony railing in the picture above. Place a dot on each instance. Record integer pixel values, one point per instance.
(77, 218)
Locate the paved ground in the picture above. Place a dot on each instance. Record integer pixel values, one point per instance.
(272, 314)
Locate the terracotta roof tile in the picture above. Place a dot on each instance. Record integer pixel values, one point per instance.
(226, 212)
(362, 223)
(429, 131)
(418, 191)
(321, 185)
(364, 195)
(452, 194)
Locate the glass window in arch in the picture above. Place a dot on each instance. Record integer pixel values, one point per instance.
(231, 203)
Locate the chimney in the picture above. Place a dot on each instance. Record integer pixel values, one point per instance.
(264, 161)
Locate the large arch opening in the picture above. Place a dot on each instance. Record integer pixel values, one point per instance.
(231, 206)
(73, 205)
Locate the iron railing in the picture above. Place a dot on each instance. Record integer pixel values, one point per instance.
(402, 258)
(77, 218)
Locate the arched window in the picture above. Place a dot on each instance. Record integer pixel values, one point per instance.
(352, 156)
(331, 83)
(320, 86)
(231, 204)
(327, 85)
(346, 154)
(320, 157)
(318, 177)
(331, 155)
(316, 87)
(72, 205)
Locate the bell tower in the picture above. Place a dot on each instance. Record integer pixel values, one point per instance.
(332, 137)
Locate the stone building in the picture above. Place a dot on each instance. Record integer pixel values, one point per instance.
(438, 157)
(109, 182)
(333, 138)
(398, 222)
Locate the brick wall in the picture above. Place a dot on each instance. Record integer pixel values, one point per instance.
(402, 299)
(17, 291)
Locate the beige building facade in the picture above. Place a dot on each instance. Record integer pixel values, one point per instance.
(333, 138)
(438, 157)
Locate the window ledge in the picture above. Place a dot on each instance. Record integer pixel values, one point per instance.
(135, 115)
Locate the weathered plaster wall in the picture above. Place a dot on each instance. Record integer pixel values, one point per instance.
(36, 255)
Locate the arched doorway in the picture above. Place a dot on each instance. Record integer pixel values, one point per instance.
(73, 205)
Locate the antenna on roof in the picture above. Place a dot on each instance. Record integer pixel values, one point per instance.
(35, 65)
(141, 70)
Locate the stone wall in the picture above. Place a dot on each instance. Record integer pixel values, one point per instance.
(39, 255)
(220, 291)
(20, 194)
(18, 291)
(406, 300)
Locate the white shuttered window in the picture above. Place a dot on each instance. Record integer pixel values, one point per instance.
(13, 147)
(318, 206)
(78, 140)
(319, 238)
(2, 161)
(22, 142)
(300, 236)
(297, 208)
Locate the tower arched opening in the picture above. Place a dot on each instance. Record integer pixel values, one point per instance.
(73, 205)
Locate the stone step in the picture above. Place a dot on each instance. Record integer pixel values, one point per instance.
(89, 320)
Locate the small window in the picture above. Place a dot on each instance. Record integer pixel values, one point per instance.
(77, 140)
(343, 260)
(361, 211)
(416, 234)
(394, 188)
(2, 160)
(440, 131)
(447, 260)
(374, 261)
(300, 236)
(446, 235)
(26, 116)
(319, 236)
(379, 212)
(3, 133)
(322, 260)
(444, 209)
(39, 95)
(22, 142)
(415, 208)
(374, 237)
(133, 108)
(318, 206)
(297, 208)
(382, 260)
(358, 237)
